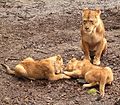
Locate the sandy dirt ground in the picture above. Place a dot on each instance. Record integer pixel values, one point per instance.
(42, 28)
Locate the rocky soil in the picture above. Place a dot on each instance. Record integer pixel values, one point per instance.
(42, 28)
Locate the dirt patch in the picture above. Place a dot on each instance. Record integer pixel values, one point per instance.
(41, 29)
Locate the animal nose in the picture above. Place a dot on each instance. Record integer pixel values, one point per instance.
(86, 28)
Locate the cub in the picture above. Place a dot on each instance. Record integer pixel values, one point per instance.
(93, 75)
(49, 68)
(93, 41)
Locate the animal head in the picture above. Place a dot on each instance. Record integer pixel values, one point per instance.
(71, 65)
(90, 19)
(58, 64)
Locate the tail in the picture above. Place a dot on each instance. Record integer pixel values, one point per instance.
(8, 70)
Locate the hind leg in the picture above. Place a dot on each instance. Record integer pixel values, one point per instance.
(101, 89)
(28, 59)
(20, 71)
(102, 85)
(100, 49)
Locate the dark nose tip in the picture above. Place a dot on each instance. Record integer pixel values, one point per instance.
(86, 28)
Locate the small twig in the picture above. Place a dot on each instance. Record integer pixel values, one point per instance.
(11, 59)
(37, 50)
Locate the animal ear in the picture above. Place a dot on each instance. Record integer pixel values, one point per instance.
(98, 11)
(84, 9)
(73, 59)
(58, 57)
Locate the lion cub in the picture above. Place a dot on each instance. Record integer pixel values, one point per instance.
(93, 74)
(92, 33)
(49, 68)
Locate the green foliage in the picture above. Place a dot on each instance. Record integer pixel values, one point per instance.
(92, 91)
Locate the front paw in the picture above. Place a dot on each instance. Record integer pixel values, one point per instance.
(84, 86)
(65, 76)
(65, 72)
(96, 61)
(102, 94)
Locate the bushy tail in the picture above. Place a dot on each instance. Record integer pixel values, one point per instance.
(8, 70)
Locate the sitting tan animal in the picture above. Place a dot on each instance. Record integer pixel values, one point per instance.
(49, 68)
(93, 41)
(93, 74)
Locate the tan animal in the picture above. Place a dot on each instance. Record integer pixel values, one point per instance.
(93, 35)
(49, 68)
(94, 75)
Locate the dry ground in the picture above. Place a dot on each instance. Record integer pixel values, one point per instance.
(46, 27)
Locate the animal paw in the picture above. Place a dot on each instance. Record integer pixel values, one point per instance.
(65, 76)
(101, 95)
(96, 61)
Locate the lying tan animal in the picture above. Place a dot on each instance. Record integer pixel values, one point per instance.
(93, 74)
(43, 69)
(93, 35)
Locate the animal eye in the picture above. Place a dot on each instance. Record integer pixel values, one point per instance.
(91, 21)
(84, 21)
